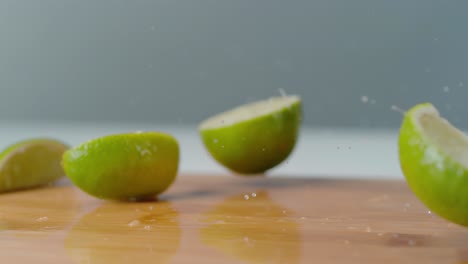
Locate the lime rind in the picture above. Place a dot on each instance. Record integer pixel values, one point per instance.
(432, 158)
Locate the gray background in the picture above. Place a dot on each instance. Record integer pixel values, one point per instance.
(170, 61)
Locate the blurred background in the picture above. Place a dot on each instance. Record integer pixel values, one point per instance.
(80, 69)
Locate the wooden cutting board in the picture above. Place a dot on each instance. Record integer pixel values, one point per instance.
(232, 219)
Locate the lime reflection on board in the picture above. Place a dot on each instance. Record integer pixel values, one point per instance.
(125, 233)
(255, 230)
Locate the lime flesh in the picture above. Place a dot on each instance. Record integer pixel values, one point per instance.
(256, 137)
(131, 166)
(434, 160)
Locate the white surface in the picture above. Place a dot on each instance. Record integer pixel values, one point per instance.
(319, 152)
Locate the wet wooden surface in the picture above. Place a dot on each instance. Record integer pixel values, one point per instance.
(230, 220)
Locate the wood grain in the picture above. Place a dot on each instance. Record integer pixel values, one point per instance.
(204, 219)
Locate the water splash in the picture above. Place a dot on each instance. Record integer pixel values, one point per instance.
(282, 92)
(42, 219)
(134, 223)
(397, 109)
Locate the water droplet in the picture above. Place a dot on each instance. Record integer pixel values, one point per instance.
(284, 211)
(215, 140)
(134, 223)
(372, 101)
(42, 219)
(411, 243)
(138, 132)
(282, 92)
(407, 205)
(303, 218)
(347, 242)
(254, 195)
(397, 109)
(429, 212)
(153, 28)
(246, 239)
(460, 84)
(147, 227)
(446, 89)
(222, 146)
(246, 197)
(368, 229)
(150, 207)
(263, 149)
(380, 234)
(364, 99)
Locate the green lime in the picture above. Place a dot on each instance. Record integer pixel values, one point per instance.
(255, 137)
(31, 163)
(434, 159)
(129, 166)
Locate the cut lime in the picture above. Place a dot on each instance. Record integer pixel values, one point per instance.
(255, 137)
(31, 163)
(434, 159)
(130, 166)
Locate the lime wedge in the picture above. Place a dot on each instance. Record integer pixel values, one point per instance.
(31, 163)
(255, 137)
(130, 166)
(434, 159)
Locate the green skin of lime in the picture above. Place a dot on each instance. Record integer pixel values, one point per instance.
(31, 163)
(442, 188)
(124, 166)
(257, 145)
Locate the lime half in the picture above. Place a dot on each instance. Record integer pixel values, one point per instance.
(31, 163)
(255, 137)
(129, 166)
(434, 159)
